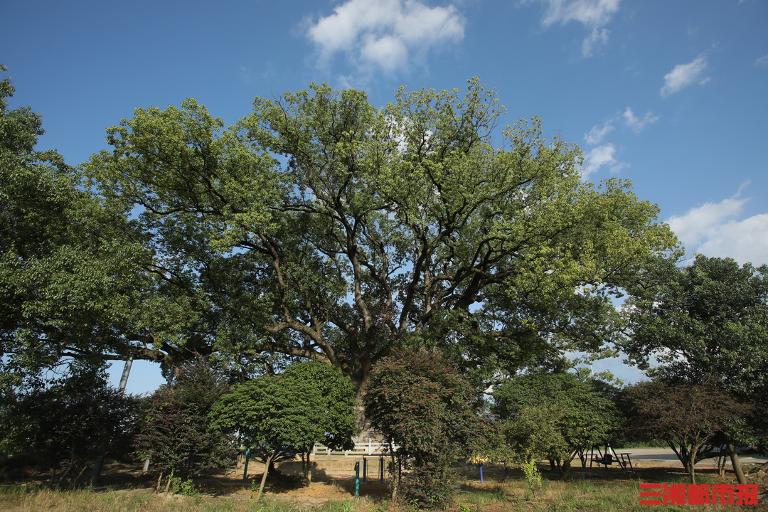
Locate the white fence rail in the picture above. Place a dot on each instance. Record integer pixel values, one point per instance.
(362, 447)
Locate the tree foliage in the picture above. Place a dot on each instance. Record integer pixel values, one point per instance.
(177, 435)
(324, 227)
(705, 322)
(422, 405)
(555, 415)
(283, 415)
(65, 424)
(75, 276)
(692, 418)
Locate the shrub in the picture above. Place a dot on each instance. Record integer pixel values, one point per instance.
(63, 425)
(425, 407)
(281, 415)
(428, 485)
(691, 418)
(184, 487)
(177, 435)
(532, 475)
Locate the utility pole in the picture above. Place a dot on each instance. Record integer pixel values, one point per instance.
(124, 376)
(99, 464)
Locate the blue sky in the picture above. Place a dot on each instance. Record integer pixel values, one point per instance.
(671, 94)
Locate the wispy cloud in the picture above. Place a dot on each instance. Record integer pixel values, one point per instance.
(685, 75)
(715, 229)
(598, 132)
(762, 62)
(627, 117)
(635, 123)
(384, 35)
(594, 15)
(599, 157)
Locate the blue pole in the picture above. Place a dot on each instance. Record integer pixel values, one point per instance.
(357, 479)
(482, 477)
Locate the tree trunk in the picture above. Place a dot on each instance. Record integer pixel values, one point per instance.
(264, 476)
(159, 479)
(395, 473)
(79, 475)
(97, 466)
(308, 473)
(168, 483)
(736, 463)
(125, 374)
(245, 467)
(692, 466)
(360, 420)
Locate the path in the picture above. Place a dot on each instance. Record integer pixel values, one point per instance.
(666, 454)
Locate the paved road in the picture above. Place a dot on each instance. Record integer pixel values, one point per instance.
(666, 454)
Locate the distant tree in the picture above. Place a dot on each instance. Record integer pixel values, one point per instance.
(421, 404)
(63, 425)
(177, 435)
(691, 418)
(705, 323)
(554, 415)
(285, 414)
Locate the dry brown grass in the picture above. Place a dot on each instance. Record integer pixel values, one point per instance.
(605, 491)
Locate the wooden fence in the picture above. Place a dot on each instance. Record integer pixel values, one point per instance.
(363, 446)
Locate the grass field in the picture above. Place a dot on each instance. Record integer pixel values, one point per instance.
(610, 491)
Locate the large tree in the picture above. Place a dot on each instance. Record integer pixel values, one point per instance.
(331, 229)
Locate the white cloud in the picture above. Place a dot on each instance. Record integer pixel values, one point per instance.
(636, 124)
(685, 75)
(384, 34)
(588, 12)
(715, 229)
(744, 240)
(598, 132)
(762, 62)
(593, 14)
(599, 157)
(389, 52)
(698, 223)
